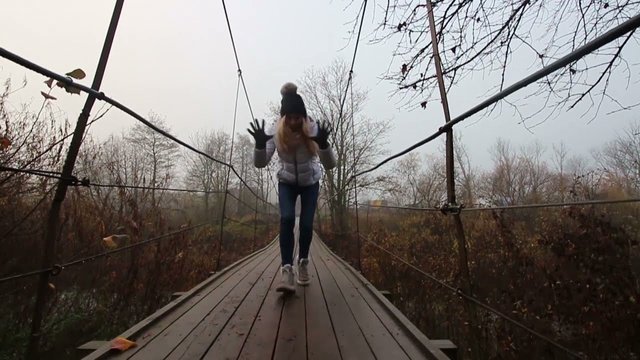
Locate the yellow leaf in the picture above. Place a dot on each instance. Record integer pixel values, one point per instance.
(77, 74)
(109, 242)
(122, 344)
(47, 96)
(113, 241)
(4, 143)
(52, 287)
(49, 83)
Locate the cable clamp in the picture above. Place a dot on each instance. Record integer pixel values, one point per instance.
(74, 181)
(449, 209)
(56, 269)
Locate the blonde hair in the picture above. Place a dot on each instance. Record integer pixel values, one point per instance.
(287, 141)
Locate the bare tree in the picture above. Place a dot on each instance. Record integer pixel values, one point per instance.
(560, 154)
(206, 174)
(405, 178)
(466, 175)
(117, 161)
(488, 35)
(254, 177)
(517, 177)
(134, 164)
(323, 90)
(29, 139)
(32, 140)
(620, 160)
(417, 182)
(499, 184)
(159, 155)
(537, 175)
(421, 182)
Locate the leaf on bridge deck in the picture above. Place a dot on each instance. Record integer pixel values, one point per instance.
(122, 344)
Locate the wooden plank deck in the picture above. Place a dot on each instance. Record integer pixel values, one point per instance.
(237, 314)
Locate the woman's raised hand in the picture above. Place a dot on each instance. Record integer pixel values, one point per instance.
(322, 138)
(257, 131)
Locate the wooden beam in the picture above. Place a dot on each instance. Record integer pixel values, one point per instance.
(447, 347)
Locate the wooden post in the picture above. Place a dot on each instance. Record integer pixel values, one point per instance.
(463, 262)
(53, 221)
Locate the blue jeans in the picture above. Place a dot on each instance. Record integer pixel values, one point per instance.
(308, 200)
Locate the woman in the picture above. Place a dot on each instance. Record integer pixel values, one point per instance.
(302, 144)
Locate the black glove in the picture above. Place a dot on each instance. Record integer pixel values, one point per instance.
(258, 134)
(322, 138)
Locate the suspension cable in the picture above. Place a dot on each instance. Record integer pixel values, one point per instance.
(611, 35)
(467, 297)
(226, 186)
(353, 170)
(235, 52)
(44, 173)
(511, 207)
(561, 204)
(87, 183)
(255, 219)
(101, 96)
(232, 195)
(56, 269)
(51, 147)
(28, 214)
(140, 187)
(343, 98)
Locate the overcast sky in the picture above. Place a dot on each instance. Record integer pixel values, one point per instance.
(175, 59)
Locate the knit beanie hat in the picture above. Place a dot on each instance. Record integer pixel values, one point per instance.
(291, 102)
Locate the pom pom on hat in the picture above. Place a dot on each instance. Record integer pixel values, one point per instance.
(291, 102)
(288, 88)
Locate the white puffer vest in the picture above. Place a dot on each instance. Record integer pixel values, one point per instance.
(299, 167)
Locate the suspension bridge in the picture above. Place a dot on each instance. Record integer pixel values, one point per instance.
(235, 313)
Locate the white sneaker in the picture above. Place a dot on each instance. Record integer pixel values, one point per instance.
(286, 282)
(303, 272)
